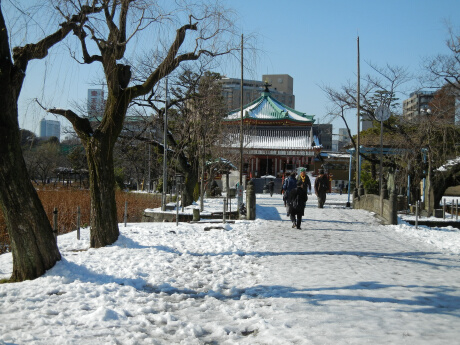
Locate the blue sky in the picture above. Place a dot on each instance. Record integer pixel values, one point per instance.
(313, 41)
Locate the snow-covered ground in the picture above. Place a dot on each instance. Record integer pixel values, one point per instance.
(342, 279)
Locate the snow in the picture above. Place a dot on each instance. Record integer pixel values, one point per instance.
(342, 279)
(449, 164)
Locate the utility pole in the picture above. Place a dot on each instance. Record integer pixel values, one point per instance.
(358, 110)
(165, 154)
(241, 124)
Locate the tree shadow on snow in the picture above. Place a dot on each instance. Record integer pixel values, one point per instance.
(72, 272)
(434, 299)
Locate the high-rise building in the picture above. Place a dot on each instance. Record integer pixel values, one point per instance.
(417, 103)
(344, 139)
(440, 103)
(50, 128)
(281, 87)
(96, 103)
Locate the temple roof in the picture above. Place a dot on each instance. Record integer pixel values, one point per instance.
(268, 109)
(275, 139)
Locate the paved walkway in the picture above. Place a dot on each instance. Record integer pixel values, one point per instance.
(357, 279)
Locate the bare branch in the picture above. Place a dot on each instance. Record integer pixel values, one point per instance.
(81, 125)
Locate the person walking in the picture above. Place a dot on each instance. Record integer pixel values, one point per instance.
(271, 187)
(297, 200)
(341, 186)
(289, 184)
(306, 184)
(321, 187)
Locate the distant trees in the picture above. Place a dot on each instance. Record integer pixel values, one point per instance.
(42, 160)
(428, 141)
(195, 111)
(198, 126)
(379, 88)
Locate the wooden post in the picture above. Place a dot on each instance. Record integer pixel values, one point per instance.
(444, 209)
(177, 210)
(456, 210)
(126, 212)
(416, 213)
(225, 207)
(452, 210)
(78, 222)
(55, 223)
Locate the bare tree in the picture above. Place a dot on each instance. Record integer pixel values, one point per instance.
(110, 34)
(444, 69)
(42, 160)
(378, 88)
(32, 242)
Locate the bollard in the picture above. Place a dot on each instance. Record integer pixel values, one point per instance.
(126, 212)
(196, 214)
(223, 213)
(78, 222)
(416, 214)
(55, 226)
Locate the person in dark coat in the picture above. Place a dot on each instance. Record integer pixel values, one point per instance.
(297, 206)
(306, 184)
(321, 187)
(271, 187)
(288, 186)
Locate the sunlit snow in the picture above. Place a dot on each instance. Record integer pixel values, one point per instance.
(342, 279)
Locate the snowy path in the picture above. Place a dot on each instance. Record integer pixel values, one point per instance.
(348, 278)
(342, 279)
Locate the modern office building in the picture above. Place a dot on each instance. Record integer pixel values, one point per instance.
(344, 139)
(281, 87)
(95, 102)
(441, 103)
(417, 104)
(50, 128)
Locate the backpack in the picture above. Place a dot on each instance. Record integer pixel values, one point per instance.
(296, 202)
(323, 183)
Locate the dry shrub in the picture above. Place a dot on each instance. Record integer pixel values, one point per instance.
(66, 200)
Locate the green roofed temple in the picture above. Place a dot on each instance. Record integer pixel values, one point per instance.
(276, 138)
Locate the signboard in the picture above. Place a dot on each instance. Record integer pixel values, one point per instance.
(382, 113)
(239, 193)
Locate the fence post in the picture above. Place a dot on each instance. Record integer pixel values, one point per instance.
(55, 226)
(177, 210)
(126, 212)
(78, 222)
(416, 214)
(225, 207)
(452, 210)
(456, 210)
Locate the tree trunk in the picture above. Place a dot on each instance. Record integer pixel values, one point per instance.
(104, 223)
(190, 183)
(32, 241)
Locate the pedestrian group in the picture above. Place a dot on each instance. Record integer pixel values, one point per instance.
(295, 194)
